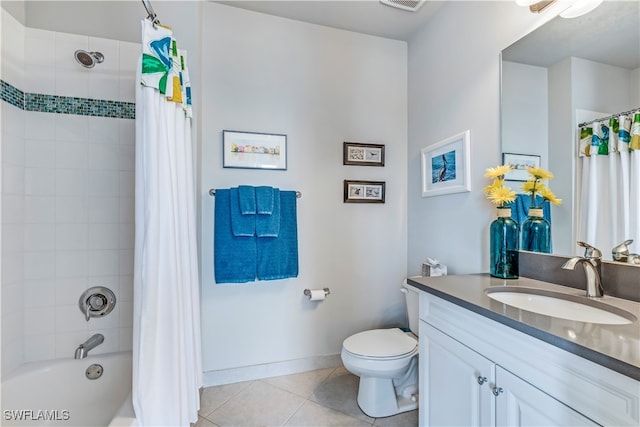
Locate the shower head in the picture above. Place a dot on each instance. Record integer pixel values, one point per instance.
(88, 59)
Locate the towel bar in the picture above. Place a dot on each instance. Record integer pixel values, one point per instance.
(212, 193)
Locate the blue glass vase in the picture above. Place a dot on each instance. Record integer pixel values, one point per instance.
(536, 232)
(504, 246)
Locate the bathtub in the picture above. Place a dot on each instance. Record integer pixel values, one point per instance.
(58, 392)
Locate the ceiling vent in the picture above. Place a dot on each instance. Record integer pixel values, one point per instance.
(408, 5)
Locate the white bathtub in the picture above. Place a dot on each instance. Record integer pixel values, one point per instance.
(58, 393)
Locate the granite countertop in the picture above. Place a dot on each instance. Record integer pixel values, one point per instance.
(616, 347)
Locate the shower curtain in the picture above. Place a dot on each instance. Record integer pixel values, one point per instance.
(167, 365)
(609, 187)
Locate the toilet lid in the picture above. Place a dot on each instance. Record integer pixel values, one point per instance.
(380, 343)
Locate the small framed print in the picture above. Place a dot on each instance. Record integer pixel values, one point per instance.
(253, 150)
(364, 191)
(520, 164)
(357, 154)
(446, 166)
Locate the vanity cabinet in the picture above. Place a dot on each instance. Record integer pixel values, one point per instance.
(463, 388)
(475, 371)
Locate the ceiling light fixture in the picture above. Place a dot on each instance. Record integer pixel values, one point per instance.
(580, 7)
(572, 8)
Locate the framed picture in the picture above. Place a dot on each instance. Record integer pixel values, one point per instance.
(364, 191)
(446, 166)
(254, 150)
(520, 164)
(363, 154)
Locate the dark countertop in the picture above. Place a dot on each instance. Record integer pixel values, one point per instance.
(616, 347)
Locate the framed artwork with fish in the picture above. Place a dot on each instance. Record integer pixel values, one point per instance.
(446, 166)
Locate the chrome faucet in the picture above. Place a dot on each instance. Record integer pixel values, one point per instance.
(592, 264)
(83, 349)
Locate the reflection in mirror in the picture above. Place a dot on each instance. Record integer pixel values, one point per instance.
(564, 73)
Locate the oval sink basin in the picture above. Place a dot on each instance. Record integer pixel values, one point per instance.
(563, 306)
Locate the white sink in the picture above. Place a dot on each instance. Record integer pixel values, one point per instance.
(563, 306)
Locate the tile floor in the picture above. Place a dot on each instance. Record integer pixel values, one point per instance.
(322, 398)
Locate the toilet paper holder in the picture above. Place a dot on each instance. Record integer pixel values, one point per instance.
(307, 292)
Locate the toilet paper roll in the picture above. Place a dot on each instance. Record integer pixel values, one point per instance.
(317, 295)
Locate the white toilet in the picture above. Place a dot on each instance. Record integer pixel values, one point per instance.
(386, 360)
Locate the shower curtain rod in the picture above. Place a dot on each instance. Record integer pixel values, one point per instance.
(624, 113)
(151, 14)
(212, 192)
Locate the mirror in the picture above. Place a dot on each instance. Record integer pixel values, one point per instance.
(556, 77)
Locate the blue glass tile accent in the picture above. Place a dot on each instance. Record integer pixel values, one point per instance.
(67, 104)
(11, 94)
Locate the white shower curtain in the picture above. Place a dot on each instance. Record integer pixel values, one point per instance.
(167, 366)
(609, 187)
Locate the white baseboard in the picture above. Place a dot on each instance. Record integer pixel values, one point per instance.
(268, 370)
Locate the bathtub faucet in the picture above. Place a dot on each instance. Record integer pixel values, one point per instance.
(83, 349)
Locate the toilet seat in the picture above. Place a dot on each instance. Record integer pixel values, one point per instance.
(380, 344)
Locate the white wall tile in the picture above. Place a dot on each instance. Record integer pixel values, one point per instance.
(13, 181)
(104, 77)
(16, 117)
(103, 209)
(126, 339)
(12, 208)
(103, 262)
(107, 321)
(127, 158)
(12, 39)
(39, 237)
(13, 151)
(69, 289)
(40, 181)
(40, 153)
(41, 125)
(72, 154)
(12, 241)
(38, 321)
(72, 79)
(71, 209)
(71, 182)
(126, 262)
(69, 127)
(39, 209)
(127, 210)
(127, 184)
(127, 235)
(39, 265)
(39, 293)
(127, 130)
(71, 264)
(104, 130)
(12, 268)
(72, 237)
(104, 183)
(126, 288)
(69, 318)
(104, 157)
(39, 347)
(104, 236)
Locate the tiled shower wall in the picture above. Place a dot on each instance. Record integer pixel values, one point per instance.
(68, 193)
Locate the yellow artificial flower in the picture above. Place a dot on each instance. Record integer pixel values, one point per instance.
(501, 195)
(497, 183)
(498, 171)
(539, 173)
(547, 194)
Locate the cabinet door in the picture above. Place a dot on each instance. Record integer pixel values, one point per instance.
(454, 382)
(521, 404)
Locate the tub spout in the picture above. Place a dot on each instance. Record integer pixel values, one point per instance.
(83, 349)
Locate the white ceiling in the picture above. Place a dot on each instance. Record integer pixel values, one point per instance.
(362, 16)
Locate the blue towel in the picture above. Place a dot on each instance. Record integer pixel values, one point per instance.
(265, 197)
(241, 225)
(268, 225)
(247, 199)
(234, 257)
(520, 208)
(278, 256)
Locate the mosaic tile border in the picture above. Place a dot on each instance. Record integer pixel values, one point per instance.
(66, 104)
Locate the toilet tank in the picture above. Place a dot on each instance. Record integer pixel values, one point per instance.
(412, 297)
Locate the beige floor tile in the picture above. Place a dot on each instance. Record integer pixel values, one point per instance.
(312, 414)
(303, 384)
(405, 419)
(259, 404)
(203, 422)
(339, 392)
(213, 397)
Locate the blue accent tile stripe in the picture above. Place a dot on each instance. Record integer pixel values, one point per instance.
(66, 104)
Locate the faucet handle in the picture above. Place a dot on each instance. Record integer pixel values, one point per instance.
(621, 251)
(590, 251)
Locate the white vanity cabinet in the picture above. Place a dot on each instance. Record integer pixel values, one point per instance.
(475, 371)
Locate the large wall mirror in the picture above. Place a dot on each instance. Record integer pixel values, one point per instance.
(566, 72)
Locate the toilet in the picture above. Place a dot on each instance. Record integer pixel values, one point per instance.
(386, 360)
